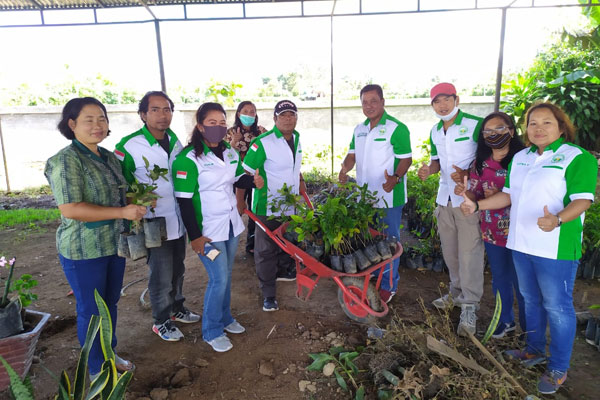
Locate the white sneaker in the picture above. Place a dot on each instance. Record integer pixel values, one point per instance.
(444, 302)
(235, 327)
(468, 320)
(167, 331)
(221, 344)
(185, 316)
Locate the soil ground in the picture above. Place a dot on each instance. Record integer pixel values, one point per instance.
(276, 343)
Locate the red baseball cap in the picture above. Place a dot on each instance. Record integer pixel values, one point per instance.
(444, 88)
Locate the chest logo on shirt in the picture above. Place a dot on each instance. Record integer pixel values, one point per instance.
(208, 164)
(558, 158)
(361, 134)
(523, 164)
(230, 156)
(462, 130)
(381, 131)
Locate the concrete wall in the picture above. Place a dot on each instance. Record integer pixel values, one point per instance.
(30, 134)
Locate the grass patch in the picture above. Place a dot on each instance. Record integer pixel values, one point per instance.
(27, 216)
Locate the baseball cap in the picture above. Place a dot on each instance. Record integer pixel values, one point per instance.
(285, 105)
(442, 88)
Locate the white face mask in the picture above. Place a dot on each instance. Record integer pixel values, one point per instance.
(449, 116)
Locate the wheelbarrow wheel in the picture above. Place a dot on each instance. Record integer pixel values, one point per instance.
(353, 310)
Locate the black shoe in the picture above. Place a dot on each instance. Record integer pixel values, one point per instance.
(270, 304)
(286, 275)
(590, 331)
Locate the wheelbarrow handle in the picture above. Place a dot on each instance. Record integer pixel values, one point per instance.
(262, 226)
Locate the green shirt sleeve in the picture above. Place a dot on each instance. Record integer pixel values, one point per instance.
(401, 140)
(432, 145)
(127, 164)
(185, 177)
(352, 144)
(477, 130)
(581, 175)
(239, 171)
(64, 174)
(507, 180)
(255, 157)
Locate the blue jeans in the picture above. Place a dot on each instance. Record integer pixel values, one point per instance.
(217, 299)
(165, 282)
(106, 275)
(392, 218)
(504, 280)
(547, 287)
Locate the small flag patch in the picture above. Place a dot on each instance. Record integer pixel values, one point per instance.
(181, 175)
(254, 147)
(120, 155)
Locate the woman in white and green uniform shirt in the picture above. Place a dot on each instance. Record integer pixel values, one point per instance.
(550, 185)
(204, 174)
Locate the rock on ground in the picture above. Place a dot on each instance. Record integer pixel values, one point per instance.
(181, 378)
(266, 368)
(159, 394)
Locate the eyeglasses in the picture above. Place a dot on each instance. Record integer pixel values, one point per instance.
(492, 131)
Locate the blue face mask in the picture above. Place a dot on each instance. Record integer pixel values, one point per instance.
(247, 120)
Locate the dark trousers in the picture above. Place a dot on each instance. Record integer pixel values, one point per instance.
(251, 223)
(269, 258)
(165, 284)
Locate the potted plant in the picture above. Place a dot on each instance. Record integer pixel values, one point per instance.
(20, 328)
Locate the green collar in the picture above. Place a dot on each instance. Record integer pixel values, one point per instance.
(552, 146)
(382, 121)
(208, 150)
(279, 135)
(103, 153)
(152, 140)
(457, 121)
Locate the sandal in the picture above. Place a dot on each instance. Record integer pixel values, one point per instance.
(123, 365)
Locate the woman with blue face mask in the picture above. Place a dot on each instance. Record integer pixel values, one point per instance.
(244, 129)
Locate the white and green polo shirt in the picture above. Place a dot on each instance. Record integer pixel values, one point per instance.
(208, 181)
(456, 146)
(273, 157)
(377, 150)
(130, 151)
(562, 173)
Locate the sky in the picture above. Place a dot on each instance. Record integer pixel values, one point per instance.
(408, 50)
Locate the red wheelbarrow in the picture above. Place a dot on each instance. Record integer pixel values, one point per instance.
(357, 294)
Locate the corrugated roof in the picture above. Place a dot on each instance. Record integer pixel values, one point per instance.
(77, 4)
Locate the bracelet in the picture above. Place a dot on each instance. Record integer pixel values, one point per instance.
(476, 205)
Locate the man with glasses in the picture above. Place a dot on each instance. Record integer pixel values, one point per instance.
(453, 145)
(277, 155)
(380, 148)
(158, 144)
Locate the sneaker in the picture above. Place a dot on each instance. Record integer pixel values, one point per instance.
(235, 327)
(468, 320)
(590, 331)
(270, 304)
(386, 295)
(185, 316)
(167, 331)
(503, 328)
(527, 359)
(287, 275)
(551, 381)
(221, 344)
(444, 302)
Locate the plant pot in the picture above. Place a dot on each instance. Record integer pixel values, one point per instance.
(319, 251)
(10, 319)
(438, 265)
(371, 252)
(291, 236)
(415, 262)
(336, 263)
(384, 250)
(153, 231)
(137, 246)
(362, 262)
(123, 246)
(392, 241)
(18, 350)
(349, 263)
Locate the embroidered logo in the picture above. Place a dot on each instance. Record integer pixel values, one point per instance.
(361, 134)
(558, 158)
(120, 155)
(523, 164)
(462, 130)
(254, 147)
(230, 156)
(208, 164)
(181, 175)
(381, 131)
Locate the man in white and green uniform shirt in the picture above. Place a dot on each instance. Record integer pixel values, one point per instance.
(159, 145)
(453, 145)
(380, 148)
(277, 155)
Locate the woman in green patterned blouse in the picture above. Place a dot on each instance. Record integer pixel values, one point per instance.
(89, 189)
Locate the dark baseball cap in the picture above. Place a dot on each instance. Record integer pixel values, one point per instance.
(285, 105)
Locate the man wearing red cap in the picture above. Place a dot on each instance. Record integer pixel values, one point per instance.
(453, 144)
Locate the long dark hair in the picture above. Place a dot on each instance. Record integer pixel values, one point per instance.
(238, 122)
(484, 151)
(197, 141)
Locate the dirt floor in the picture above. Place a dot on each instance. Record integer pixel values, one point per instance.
(266, 362)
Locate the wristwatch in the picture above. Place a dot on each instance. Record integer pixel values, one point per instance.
(398, 177)
(559, 220)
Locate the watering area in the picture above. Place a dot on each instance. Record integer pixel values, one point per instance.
(30, 136)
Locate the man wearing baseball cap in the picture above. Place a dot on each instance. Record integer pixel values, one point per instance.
(277, 155)
(453, 144)
(380, 148)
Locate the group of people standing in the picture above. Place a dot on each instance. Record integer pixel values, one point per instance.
(524, 205)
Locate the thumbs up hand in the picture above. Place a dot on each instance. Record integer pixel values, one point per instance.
(390, 181)
(490, 191)
(259, 182)
(458, 175)
(423, 172)
(468, 206)
(548, 222)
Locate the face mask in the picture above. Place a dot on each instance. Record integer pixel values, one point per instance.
(497, 141)
(214, 134)
(449, 116)
(247, 120)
